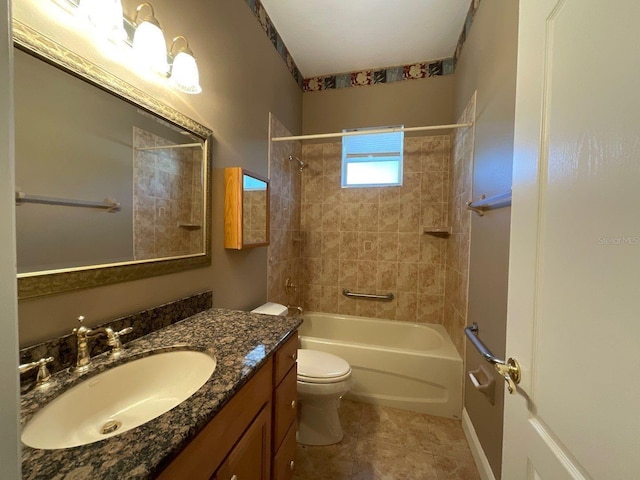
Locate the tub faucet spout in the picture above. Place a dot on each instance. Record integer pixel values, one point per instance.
(296, 307)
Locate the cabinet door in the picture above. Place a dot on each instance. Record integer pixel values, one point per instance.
(285, 407)
(284, 461)
(250, 459)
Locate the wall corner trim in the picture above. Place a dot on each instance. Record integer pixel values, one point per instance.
(476, 448)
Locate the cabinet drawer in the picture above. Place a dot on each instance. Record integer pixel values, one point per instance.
(285, 358)
(284, 461)
(285, 407)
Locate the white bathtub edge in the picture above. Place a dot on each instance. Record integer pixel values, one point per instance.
(484, 469)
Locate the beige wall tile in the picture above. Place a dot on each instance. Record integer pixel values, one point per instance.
(409, 247)
(367, 246)
(349, 246)
(388, 247)
(387, 276)
(370, 239)
(367, 276)
(407, 277)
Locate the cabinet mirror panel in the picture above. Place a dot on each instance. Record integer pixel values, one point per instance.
(246, 209)
(111, 185)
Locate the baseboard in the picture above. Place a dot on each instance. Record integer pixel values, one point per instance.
(476, 449)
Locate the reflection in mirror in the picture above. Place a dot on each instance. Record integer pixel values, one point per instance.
(254, 210)
(246, 209)
(111, 185)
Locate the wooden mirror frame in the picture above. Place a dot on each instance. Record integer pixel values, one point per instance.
(53, 282)
(233, 209)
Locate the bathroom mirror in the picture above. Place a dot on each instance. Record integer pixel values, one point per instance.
(111, 184)
(246, 209)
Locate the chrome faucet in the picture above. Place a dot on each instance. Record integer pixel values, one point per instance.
(82, 333)
(43, 372)
(83, 357)
(295, 307)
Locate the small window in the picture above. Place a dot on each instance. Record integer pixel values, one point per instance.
(372, 160)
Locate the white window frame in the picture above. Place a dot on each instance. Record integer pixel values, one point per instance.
(371, 157)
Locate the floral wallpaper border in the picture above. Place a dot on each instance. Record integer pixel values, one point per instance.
(431, 68)
(361, 78)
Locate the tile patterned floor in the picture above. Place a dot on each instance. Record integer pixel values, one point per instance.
(383, 443)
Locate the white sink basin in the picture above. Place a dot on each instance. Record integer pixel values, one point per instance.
(118, 399)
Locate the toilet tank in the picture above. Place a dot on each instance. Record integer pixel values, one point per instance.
(271, 308)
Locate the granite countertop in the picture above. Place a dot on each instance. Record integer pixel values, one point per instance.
(241, 343)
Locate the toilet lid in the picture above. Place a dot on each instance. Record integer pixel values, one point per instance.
(320, 367)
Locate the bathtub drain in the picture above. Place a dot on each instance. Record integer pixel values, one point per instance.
(110, 427)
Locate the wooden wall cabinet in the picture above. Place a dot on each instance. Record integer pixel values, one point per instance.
(254, 436)
(246, 209)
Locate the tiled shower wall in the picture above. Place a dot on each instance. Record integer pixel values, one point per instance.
(457, 255)
(370, 240)
(167, 193)
(285, 202)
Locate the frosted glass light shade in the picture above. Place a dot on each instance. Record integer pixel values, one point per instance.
(105, 16)
(149, 47)
(184, 74)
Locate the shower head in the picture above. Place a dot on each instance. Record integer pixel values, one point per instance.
(301, 164)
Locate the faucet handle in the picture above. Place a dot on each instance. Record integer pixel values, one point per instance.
(125, 331)
(113, 339)
(43, 372)
(81, 330)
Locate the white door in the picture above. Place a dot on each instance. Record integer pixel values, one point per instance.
(574, 279)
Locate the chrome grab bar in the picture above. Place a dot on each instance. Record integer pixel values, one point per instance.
(472, 333)
(370, 296)
(509, 369)
(495, 201)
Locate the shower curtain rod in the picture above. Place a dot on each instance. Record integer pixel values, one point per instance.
(367, 132)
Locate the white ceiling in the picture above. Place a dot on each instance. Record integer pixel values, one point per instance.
(337, 36)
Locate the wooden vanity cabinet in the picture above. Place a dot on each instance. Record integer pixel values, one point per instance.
(251, 457)
(253, 437)
(284, 405)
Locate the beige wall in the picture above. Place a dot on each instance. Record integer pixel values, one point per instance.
(243, 79)
(412, 103)
(9, 401)
(488, 64)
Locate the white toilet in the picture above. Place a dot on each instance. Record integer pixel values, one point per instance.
(323, 379)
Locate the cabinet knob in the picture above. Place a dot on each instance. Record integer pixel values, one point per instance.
(292, 465)
(293, 404)
(294, 356)
(235, 477)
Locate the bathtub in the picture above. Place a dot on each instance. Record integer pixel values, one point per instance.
(396, 364)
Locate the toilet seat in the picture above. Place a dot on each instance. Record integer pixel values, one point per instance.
(321, 367)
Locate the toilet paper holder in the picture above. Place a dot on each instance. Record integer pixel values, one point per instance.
(483, 381)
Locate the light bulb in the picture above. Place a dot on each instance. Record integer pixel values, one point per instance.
(184, 74)
(149, 47)
(105, 16)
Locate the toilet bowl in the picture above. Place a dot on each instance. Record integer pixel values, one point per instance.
(323, 379)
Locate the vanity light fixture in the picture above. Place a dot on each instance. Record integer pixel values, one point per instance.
(149, 46)
(105, 16)
(184, 70)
